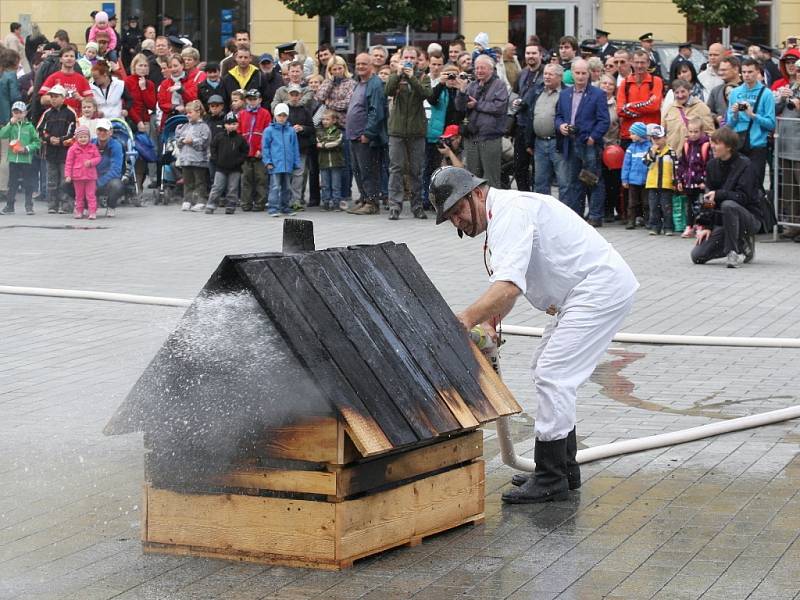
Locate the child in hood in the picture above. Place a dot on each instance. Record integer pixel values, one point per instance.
(23, 143)
(634, 174)
(280, 153)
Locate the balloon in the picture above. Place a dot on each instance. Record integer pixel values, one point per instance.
(613, 156)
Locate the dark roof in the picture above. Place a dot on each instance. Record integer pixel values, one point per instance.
(360, 333)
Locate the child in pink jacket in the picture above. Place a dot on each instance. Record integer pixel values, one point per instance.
(101, 24)
(81, 169)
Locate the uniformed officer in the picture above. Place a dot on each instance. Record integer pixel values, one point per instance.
(647, 43)
(541, 249)
(605, 47)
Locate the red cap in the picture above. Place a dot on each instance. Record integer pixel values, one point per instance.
(451, 131)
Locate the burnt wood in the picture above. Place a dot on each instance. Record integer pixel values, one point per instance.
(298, 236)
(379, 345)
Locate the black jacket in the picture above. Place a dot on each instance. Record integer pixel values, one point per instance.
(205, 90)
(452, 115)
(60, 123)
(269, 85)
(215, 124)
(300, 115)
(228, 151)
(739, 185)
(49, 65)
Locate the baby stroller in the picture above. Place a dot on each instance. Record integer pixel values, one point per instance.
(170, 173)
(123, 134)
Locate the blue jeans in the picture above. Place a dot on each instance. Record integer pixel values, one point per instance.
(280, 191)
(549, 162)
(585, 157)
(331, 186)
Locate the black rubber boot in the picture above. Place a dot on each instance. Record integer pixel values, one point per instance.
(549, 481)
(573, 468)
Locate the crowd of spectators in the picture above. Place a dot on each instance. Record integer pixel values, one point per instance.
(618, 133)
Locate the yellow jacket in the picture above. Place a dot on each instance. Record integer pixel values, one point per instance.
(662, 169)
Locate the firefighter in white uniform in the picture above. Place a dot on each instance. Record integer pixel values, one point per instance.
(542, 250)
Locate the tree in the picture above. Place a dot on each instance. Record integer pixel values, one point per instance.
(372, 15)
(717, 13)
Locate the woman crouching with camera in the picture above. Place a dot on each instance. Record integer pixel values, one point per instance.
(443, 114)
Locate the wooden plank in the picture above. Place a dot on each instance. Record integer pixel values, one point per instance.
(367, 435)
(398, 371)
(248, 524)
(451, 330)
(384, 470)
(430, 504)
(345, 354)
(265, 558)
(313, 439)
(279, 480)
(401, 307)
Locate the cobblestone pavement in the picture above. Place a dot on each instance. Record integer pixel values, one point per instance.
(717, 519)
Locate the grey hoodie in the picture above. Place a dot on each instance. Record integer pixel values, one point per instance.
(196, 153)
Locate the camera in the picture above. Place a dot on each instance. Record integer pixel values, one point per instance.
(452, 76)
(444, 143)
(408, 65)
(572, 130)
(466, 77)
(742, 106)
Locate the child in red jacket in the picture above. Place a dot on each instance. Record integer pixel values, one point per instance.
(253, 120)
(81, 169)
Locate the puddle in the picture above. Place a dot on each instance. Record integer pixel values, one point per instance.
(80, 227)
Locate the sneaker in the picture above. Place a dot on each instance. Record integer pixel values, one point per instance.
(366, 209)
(735, 259)
(92, 216)
(51, 211)
(186, 206)
(274, 213)
(394, 214)
(110, 213)
(688, 232)
(630, 225)
(77, 215)
(749, 247)
(639, 221)
(29, 211)
(228, 211)
(669, 233)
(199, 207)
(652, 232)
(209, 210)
(247, 208)
(343, 205)
(288, 212)
(297, 207)
(7, 210)
(419, 213)
(62, 211)
(327, 207)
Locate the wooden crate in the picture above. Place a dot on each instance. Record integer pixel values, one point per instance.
(354, 510)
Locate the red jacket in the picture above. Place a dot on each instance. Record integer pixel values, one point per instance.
(196, 75)
(252, 126)
(188, 93)
(639, 102)
(142, 100)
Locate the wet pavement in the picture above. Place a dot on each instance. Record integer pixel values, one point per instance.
(717, 518)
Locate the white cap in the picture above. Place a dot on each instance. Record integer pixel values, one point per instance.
(103, 124)
(281, 109)
(19, 105)
(482, 39)
(58, 89)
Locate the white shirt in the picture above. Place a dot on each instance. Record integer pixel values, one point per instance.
(553, 256)
(709, 79)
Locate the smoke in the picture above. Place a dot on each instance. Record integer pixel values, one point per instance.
(222, 378)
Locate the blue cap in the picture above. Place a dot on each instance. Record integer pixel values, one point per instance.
(639, 128)
(266, 57)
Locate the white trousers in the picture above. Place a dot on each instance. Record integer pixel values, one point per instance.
(571, 347)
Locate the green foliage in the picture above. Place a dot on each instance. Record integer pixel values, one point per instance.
(718, 13)
(374, 15)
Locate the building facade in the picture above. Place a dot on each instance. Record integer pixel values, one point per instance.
(209, 22)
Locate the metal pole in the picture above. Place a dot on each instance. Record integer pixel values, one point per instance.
(776, 178)
(726, 37)
(408, 35)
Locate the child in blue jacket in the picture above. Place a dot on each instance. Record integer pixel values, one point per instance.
(280, 152)
(634, 174)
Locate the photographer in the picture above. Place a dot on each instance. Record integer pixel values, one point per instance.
(731, 214)
(751, 114)
(407, 128)
(486, 102)
(449, 147)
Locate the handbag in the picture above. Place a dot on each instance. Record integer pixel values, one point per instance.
(744, 136)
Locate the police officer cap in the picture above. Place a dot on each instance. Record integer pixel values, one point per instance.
(685, 45)
(646, 37)
(448, 186)
(601, 33)
(765, 48)
(589, 48)
(287, 47)
(133, 18)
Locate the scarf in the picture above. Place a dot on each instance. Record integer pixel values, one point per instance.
(177, 99)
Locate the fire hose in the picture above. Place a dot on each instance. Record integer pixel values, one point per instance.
(485, 343)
